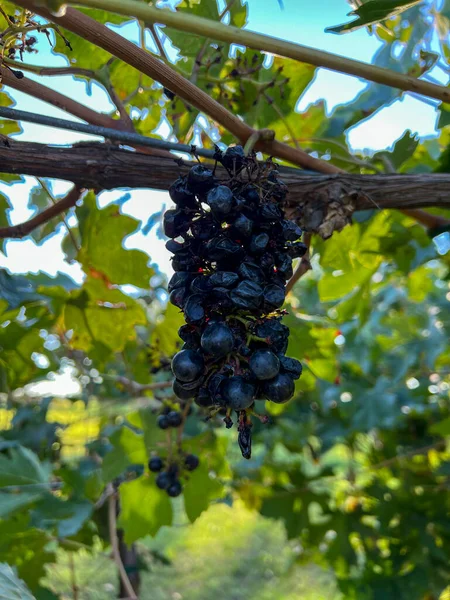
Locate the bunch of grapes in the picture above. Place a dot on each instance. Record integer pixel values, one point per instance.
(233, 252)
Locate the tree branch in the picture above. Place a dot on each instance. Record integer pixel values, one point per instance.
(100, 35)
(37, 90)
(193, 24)
(112, 509)
(321, 203)
(23, 229)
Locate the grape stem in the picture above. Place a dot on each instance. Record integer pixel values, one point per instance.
(303, 266)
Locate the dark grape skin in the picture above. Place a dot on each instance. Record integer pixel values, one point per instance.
(174, 489)
(163, 422)
(187, 365)
(264, 364)
(175, 418)
(181, 392)
(217, 340)
(233, 258)
(163, 480)
(191, 462)
(155, 464)
(238, 393)
(279, 390)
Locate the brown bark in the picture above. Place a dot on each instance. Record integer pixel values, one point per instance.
(321, 203)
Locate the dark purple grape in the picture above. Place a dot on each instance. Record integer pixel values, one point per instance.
(194, 312)
(180, 194)
(292, 366)
(271, 212)
(220, 200)
(175, 418)
(279, 390)
(225, 279)
(245, 441)
(238, 393)
(178, 297)
(252, 272)
(187, 365)
(162, 422)
(264, 364)
(181, 392)
(297, 250)
(180, 279)
(191, 462)
(291, 231)
(163, 480)
(242, 226)
(223, 249)
(234, 158)
(175, 223)
(217, 340)
(200, 179)
(204, 398)
(259, 243)
(174, 489)
(274, 297)
(247, 295)
(155, 464)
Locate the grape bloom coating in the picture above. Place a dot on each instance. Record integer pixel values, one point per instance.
(232, 255)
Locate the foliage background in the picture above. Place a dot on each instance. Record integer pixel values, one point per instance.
(351, 477)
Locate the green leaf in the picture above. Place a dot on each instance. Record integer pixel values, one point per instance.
(7, 126)
(25, 548)
(22, 467)
(67, 517)
(164, 339)
(101, 317)
(441, 428)
(376, 408)
(10, 503)
(102, 253)
(204, 485)
(11, 587)
(128, 449)
(144, 509)
(373, 12)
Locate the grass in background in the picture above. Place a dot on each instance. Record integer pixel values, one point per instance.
(229, 553)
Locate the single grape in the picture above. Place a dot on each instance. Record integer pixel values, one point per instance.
(163, 422)
(238, 393)
(187, 365)
(155, 464)
(175, 418)
(174, 489)
(279, 390)
(163, 480)
(217, 340)
(264, 364)
(191, 462)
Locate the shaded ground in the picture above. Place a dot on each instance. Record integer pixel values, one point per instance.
(228, 554)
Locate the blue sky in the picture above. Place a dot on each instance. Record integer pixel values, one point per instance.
(300, 21)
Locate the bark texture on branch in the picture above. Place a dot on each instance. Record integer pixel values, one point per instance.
(321, 203)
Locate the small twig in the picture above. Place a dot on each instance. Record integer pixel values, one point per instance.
(136, 387)
(303, 266)
(23, 229)
(37, 90)
(73, 581)
(390, 461)
(112, 521)
(157, 41)
(279, 112)
(54, 201)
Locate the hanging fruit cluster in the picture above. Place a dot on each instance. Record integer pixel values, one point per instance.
(233, 252)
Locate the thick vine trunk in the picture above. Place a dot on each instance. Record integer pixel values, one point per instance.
(321, 203)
